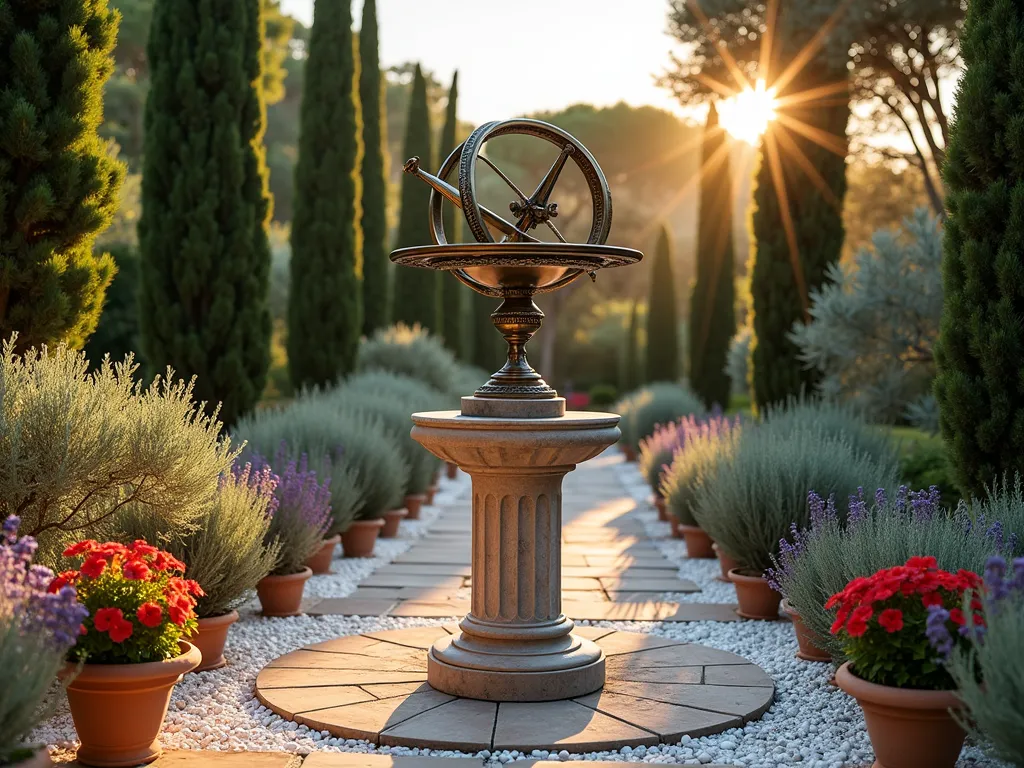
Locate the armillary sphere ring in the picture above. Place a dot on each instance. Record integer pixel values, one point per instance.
(532, 210)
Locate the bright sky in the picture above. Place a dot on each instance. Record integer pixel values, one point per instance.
(515, 58)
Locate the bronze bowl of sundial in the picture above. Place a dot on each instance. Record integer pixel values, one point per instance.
(519, 265)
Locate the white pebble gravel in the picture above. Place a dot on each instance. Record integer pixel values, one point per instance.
(810, 723)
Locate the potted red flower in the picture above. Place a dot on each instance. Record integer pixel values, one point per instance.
(905, 692)
(130, 650)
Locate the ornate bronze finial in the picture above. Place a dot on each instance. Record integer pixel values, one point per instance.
(520, 264)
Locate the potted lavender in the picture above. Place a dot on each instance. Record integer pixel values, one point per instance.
(656, 452)
(300, 515)
(37, 629)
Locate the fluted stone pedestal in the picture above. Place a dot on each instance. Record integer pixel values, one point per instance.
(516, 644)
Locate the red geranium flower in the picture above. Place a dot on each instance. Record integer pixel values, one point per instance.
(856, 627)
(106, 617)
(61, 580)
(891, 620)
(957, 616)
(80, 548)
(136, 570)
(150, 614)
(94, 566)
(930, 599)
(121, 630)
(922, 563)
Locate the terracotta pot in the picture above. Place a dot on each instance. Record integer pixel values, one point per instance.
(662, 507)
(909, 727)
(320, 561)
(451, 470)
(39, 759)
(677, 528)
(210, 640)
(361, 537)
(629, 452)
(431, 491)
(698, 543)
(757, 600)
(414, 503)
(392, 521)
(118, 708)
(282, 595)
(725, 562)
(811, 647)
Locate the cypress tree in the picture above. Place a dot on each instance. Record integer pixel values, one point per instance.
(325, 299)
(712, 317)
(630, 375)
(452, 307)
(376, 267)
(662, 316)
(117, 332)
(981, 341)
(788, 266)
(416, 290)
(58, 186)
(205, 204)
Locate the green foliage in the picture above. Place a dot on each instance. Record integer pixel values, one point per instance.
(662, 316)
(77, 447)
(658, 403)
(832, 419)
(454, 295)
(712, 318)
(799, 229)
(466, 379)
(58, 184)
(117, 333)
(926, 463)
(487, 348)
(630, 373)
(737, 363)
(874, 322)
(704, 447)
(603, 395)
(224, 548)
(412, 352)
(416, 290)
(836, 553)
(748, 500)
(989, 679)
(325, 316)
(981, 340)
(203, 231)
(376, 267)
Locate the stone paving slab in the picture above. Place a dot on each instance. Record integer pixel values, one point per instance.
(632, 584)
(657, 690)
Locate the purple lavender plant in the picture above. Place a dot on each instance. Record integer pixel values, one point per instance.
(300, 510)
(37, 628)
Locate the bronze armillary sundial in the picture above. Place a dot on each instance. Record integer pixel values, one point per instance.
(519, 265)
(514, 437)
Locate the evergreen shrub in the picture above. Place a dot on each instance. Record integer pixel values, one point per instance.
(659, 403)
(702, 444)
(411, 351)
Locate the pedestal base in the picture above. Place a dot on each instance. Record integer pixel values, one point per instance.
(500, 683)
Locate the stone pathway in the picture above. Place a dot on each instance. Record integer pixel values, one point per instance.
(611, 570)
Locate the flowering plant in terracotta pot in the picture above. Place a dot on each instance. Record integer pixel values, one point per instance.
(37, 628)
(140, 609)
(884, 622)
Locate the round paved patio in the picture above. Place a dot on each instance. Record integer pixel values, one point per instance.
(373, 686)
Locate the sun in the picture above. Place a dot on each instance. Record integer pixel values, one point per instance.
(746, 115)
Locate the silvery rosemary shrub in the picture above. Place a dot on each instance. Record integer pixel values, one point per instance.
(395, 419)
(310, 430)
(466, 379)
(989, 673)
(659, 403)
(412, 352)
(748, 500)
(372, 452)
(834, 419)
(855, 535)
(37, 629)
(77, 447)
(413, 393)
(703, 443)
(226, 552)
